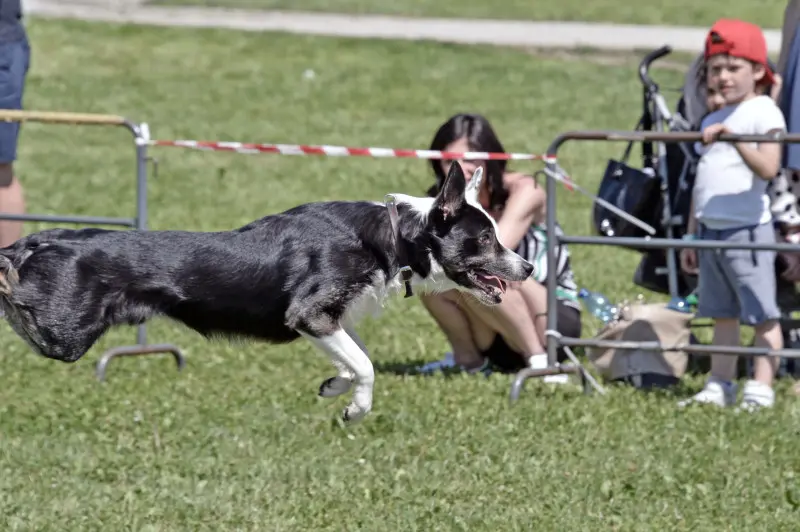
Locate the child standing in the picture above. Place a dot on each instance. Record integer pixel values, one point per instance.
(730, 203)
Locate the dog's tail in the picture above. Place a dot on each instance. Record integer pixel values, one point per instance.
(9, 276)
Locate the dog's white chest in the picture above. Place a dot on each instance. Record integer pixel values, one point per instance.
(371, 301)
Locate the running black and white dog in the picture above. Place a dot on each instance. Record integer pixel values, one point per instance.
(311, 271)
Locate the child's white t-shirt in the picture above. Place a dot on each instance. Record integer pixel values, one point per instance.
(727, 193)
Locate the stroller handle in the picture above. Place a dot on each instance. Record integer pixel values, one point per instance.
(644, 66)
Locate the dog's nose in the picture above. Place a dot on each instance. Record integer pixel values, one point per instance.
(528, 269)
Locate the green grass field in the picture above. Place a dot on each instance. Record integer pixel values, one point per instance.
(767, 13)
(239, 440)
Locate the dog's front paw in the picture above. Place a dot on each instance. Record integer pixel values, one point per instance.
(335, 386)
(354, 413)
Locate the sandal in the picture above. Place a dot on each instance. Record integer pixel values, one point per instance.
(449, 363)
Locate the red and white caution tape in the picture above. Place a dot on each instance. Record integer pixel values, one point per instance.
(343, 151)
(553, 170)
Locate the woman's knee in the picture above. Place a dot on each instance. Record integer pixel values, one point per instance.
(448, 298)
(513, 304)
(445, 308)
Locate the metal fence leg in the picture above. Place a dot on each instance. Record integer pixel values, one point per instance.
(136, 350)
(553, 337)
(529, 373)
(142, 137)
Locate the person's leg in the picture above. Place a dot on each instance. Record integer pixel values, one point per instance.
(512, 319)
(14, 61)
(720, 388)
(471, 327)
(758, 293)
(768, 335)
(726, 333)
(535, 296)
(717, 299)
(468, 337)
(757, 392)
(568, 318)
(12, 201)
(515, 321)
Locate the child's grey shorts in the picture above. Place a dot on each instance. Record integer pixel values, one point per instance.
(737, 283)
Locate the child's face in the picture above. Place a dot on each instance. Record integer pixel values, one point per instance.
(714, 99)
(735, 78)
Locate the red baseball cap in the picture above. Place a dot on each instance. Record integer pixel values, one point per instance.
(738, 38)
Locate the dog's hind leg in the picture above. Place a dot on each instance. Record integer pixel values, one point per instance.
(346, 350)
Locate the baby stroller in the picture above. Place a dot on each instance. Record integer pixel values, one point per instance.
(658, 193)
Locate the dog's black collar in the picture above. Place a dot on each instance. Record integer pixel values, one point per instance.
(405, 269)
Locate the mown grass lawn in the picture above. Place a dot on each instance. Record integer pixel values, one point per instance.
(239, 440)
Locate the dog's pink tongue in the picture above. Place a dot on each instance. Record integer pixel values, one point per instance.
(494, 281)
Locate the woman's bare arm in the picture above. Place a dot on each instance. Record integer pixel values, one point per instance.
(525, 200)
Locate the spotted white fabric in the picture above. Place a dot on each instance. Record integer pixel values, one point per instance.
(784, 195)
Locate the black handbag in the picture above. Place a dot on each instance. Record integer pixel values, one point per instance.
(635, 191)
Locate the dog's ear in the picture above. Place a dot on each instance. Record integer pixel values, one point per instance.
(451, 198)
(474, 185)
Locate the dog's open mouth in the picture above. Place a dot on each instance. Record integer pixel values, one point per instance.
(491, 285)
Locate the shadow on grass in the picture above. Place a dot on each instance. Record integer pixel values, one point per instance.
(411, 368)
(406, 368)
(696, 372)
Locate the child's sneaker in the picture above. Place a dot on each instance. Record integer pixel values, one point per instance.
(715, 392)
(755, 396)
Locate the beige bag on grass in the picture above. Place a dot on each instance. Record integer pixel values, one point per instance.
(651, 322)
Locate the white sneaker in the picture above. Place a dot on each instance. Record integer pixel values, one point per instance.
(540, 362)
(715, 392)
(755, 396)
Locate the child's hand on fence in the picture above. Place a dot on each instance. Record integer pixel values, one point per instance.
(713, 131)
(689, 261)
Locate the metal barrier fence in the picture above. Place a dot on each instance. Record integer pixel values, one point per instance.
(553, 337)
(554, 175)
(141, 138)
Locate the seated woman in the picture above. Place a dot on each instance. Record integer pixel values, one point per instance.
(511, 335)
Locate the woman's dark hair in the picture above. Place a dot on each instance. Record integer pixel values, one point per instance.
(480, 137)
